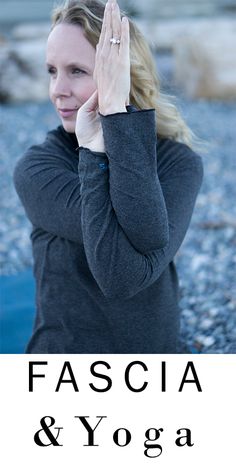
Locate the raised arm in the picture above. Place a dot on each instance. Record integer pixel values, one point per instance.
(119, 269)
(135, 190)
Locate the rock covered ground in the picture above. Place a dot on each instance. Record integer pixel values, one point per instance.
(206, 262)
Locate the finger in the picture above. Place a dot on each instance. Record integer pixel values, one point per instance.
(124, 42)
(105, 49)
(95, 73)
(103, 30)
(116, 21)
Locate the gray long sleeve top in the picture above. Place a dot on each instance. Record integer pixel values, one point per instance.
(106, 228)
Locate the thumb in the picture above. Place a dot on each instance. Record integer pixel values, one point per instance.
(92, 103)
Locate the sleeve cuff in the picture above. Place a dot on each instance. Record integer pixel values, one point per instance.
(130, 109)
(94, 153)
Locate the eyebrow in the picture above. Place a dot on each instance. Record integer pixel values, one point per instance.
(72, 64)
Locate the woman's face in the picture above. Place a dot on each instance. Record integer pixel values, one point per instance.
(70, 61)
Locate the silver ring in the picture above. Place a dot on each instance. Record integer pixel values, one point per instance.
(114, 41)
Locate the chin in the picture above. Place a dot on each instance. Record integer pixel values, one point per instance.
(68, 126)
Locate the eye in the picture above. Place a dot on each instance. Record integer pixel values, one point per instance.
(77, 71)
(51, 70)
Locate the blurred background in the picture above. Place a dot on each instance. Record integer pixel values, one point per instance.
(194, 43)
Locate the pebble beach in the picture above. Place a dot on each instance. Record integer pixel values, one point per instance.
(206, 261)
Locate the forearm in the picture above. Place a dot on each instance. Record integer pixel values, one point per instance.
(119, 269)
(115, 264)
(135, 190)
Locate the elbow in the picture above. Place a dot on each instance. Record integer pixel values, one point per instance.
(160, 242)
(117, 286)
(157, 241)
(112, 291)
(161, 233)
(125, 281)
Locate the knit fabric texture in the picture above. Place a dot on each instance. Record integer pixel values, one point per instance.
(106, 229)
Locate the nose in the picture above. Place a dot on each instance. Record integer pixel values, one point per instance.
(60, 86)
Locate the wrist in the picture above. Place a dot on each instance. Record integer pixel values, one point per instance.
(93, 142)
(94, 146)
(96, 149)
(112, 110)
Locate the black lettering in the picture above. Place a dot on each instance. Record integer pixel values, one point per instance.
(190, 365)
(127, 437)
(163, 377)
(100, 376)
(127, 373)
(70, 380)
(31, 373)
(152, 446)
(186, 437)
(89, 429)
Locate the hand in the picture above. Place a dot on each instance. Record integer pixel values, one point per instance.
(112, 63)
(88, 128)
(112, 75)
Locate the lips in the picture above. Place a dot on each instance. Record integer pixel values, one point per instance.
(67, 112)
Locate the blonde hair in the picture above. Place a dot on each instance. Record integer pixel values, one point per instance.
(145, 90)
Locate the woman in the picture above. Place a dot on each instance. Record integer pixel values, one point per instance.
(110, 193)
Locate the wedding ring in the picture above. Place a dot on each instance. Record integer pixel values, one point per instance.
(114, 41)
